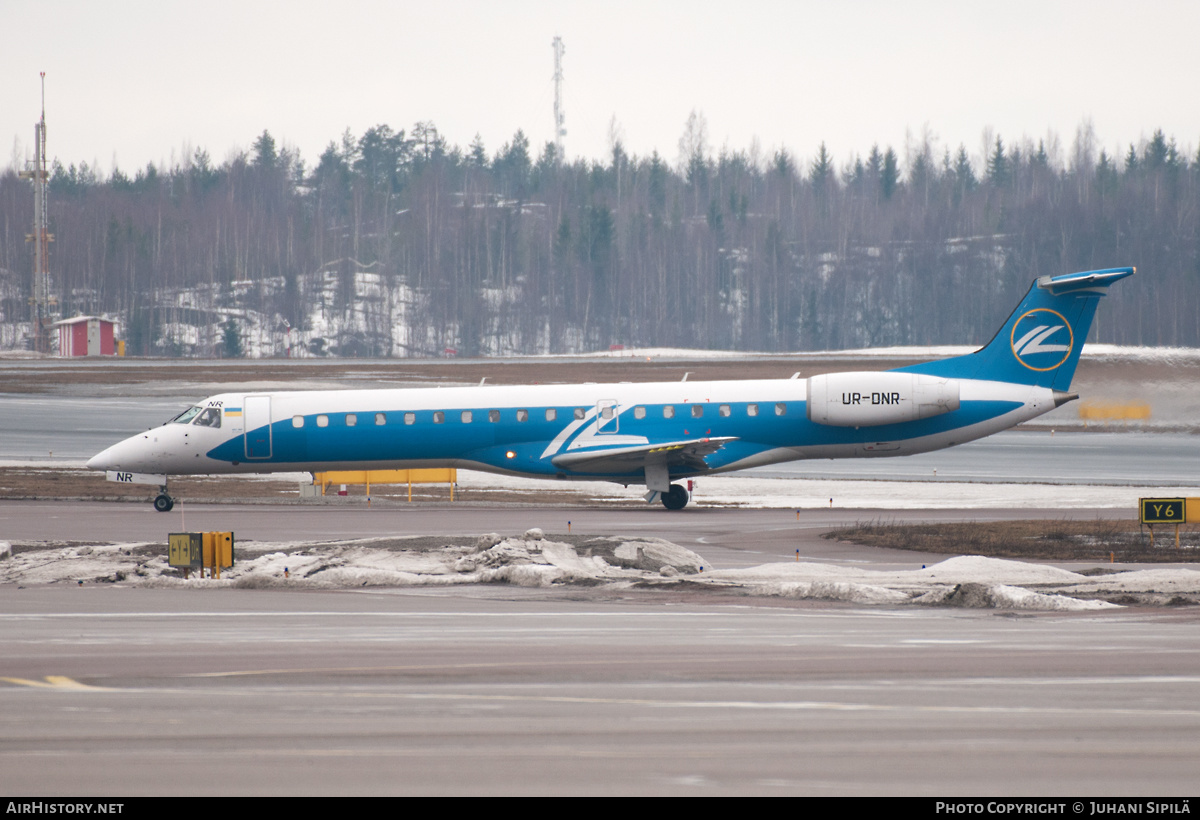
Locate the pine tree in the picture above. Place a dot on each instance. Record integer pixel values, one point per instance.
(658, 186)
(1156, 153)
(822, 169)
(964, 174)
(477, 155)
(889, 177)
(781, 163)
(231, 340)
(512, 165)
(874, 167)
(997, 165)
(1131, 159)
(1107, 176)
(265, 154)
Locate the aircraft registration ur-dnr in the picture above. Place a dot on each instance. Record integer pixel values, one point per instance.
(652, 434)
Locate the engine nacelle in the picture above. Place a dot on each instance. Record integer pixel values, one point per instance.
(869, 399)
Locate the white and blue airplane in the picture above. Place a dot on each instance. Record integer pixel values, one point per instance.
(652, 434)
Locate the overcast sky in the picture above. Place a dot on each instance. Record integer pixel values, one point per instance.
(134, 82)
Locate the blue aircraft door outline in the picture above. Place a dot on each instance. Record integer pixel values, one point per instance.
(257, 413)
(608, 417)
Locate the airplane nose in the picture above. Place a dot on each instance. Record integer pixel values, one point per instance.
(131, 454)
(102, 460)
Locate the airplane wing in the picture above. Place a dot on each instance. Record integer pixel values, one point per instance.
(620, 460)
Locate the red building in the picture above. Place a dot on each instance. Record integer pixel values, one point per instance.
(85, 336)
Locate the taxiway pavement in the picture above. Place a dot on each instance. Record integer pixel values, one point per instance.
(111, 690)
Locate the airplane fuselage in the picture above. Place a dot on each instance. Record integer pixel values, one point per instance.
(648, 434)
(520, 430)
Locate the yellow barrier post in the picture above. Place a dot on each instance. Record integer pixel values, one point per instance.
(446, 475)
(1107, 411)
(218, 552)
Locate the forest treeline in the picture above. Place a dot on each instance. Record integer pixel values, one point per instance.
(517, 251)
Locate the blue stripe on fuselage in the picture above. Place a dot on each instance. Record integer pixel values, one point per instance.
(488, 443)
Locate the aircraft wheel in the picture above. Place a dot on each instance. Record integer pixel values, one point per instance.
(163, 503)
(675, 498)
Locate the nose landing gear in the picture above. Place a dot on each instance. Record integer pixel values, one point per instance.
(163, 502)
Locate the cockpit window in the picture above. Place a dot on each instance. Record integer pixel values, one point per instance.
(187, 415)
(211, 417)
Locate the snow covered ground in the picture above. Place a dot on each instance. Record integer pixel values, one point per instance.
(614, 564)
(801, 493)
(1090, 351)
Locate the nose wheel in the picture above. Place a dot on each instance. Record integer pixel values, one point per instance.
(163, 502)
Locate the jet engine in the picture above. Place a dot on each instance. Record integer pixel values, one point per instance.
(872, 398)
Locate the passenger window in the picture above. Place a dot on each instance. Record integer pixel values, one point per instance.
(668, 411)
(381, 418)
(322, 421)
(639, 412)
(751, 409)
(210, 417)
(522, 415)
(551, 414)
(580, 413)
(493, 415)
(467, 417)
(697, 411)
(438, 417)
(723, 410)
(410, 418)
(606, 412)
(351, 419)
(297, 421)
(780, 409)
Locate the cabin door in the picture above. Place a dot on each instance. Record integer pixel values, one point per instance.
(607, 416)
(257, 412)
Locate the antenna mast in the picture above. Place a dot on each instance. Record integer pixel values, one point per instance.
(560, 116)
(41, 300)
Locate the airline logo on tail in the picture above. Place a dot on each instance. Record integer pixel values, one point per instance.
(1042, 339)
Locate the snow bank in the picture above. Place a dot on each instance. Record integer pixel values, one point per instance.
(533, 560)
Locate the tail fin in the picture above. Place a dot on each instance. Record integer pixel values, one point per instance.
(1039, 344)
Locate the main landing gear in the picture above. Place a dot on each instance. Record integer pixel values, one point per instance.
(162, 501)
(675, 498)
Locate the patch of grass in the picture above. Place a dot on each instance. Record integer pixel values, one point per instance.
(1060, 540)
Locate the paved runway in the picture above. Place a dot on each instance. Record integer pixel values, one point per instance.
(508, 690)
(112, 691)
